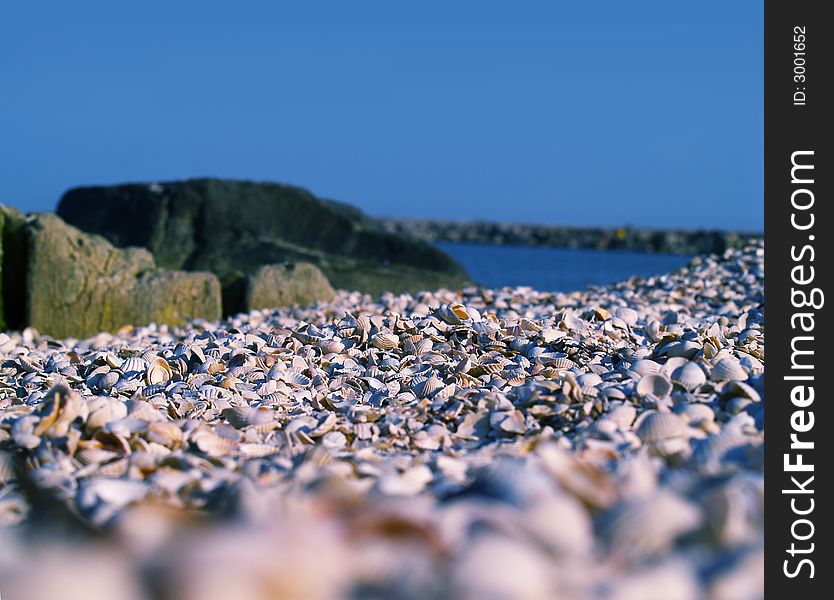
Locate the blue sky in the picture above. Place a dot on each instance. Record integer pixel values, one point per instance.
(581, 113)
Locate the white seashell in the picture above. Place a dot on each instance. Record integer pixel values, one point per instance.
(589, 380)
(410, 482)
(695, 413)
(629, 315)
(622, 414)
(689, 376)
(654, 426)
(425, 387)
(644, 366)
(297, 379)
(654, 384)
(728, 369)
(133, 364)
(385, 340)
(682, 348)
(648, 526)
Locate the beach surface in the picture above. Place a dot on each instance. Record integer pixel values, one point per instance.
(482, 443)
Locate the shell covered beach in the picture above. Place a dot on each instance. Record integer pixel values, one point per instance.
(511, 443)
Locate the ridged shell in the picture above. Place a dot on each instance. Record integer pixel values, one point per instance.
(425, 387)
(253, 450)
(108, 380)
(657, 426)
(654, 384)
(385, 341)
(728, 369)
(644, 366)
(621, 414)
(133, 364)
(648, 526)
(297, 379)
(213, 444)
(695, 413)
(689, 376)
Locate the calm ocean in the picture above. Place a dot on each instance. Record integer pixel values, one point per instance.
(555, 269)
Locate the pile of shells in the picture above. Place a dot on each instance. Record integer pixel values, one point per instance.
(511, 443)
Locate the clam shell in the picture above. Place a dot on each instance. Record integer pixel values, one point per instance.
(297, 379)
(133, 364)
(689, 376)
(654, 426)
(385, 341)
(158, 371)
(648, 526)
(622, 414)
(425, 387)
(728, 369)
(695, 413)
(645, 366)
(654, 384)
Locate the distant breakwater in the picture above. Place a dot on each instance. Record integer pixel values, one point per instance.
(672, 241)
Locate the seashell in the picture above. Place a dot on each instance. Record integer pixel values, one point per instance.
(108, 380)
(212, 444)
(133, 364)
(654, 426)
(13, 510)
(158, 371)
(751, 364)
(589, 380)
(653, 331)
(622, 414)
(453, 314)
(330, 346)
(425, 387)
(728, 369)
(689, 376)
(385, 341)
(654, 384)
(297, 379)
(565, 364)
(334, 440)
(682, 348)
(492, 367)
(695, 413)
(165, 433)
(629, 315)
(102, 410)
(740, 388)
(646, 527)
(6, 468)
(408, 483)
(516, 377)
(252, 450)
(644, 366)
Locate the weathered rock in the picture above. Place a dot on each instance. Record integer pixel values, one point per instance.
(78, 284)
(233, 227)
(272, 286)
(12, 268)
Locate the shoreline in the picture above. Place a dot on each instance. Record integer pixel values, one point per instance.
(667, 241)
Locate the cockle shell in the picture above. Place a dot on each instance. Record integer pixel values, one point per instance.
(158, 371)
(654, 384)
(656, 426)
(689, 376)
(728, 369)
(385, 340)
(648, 526)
